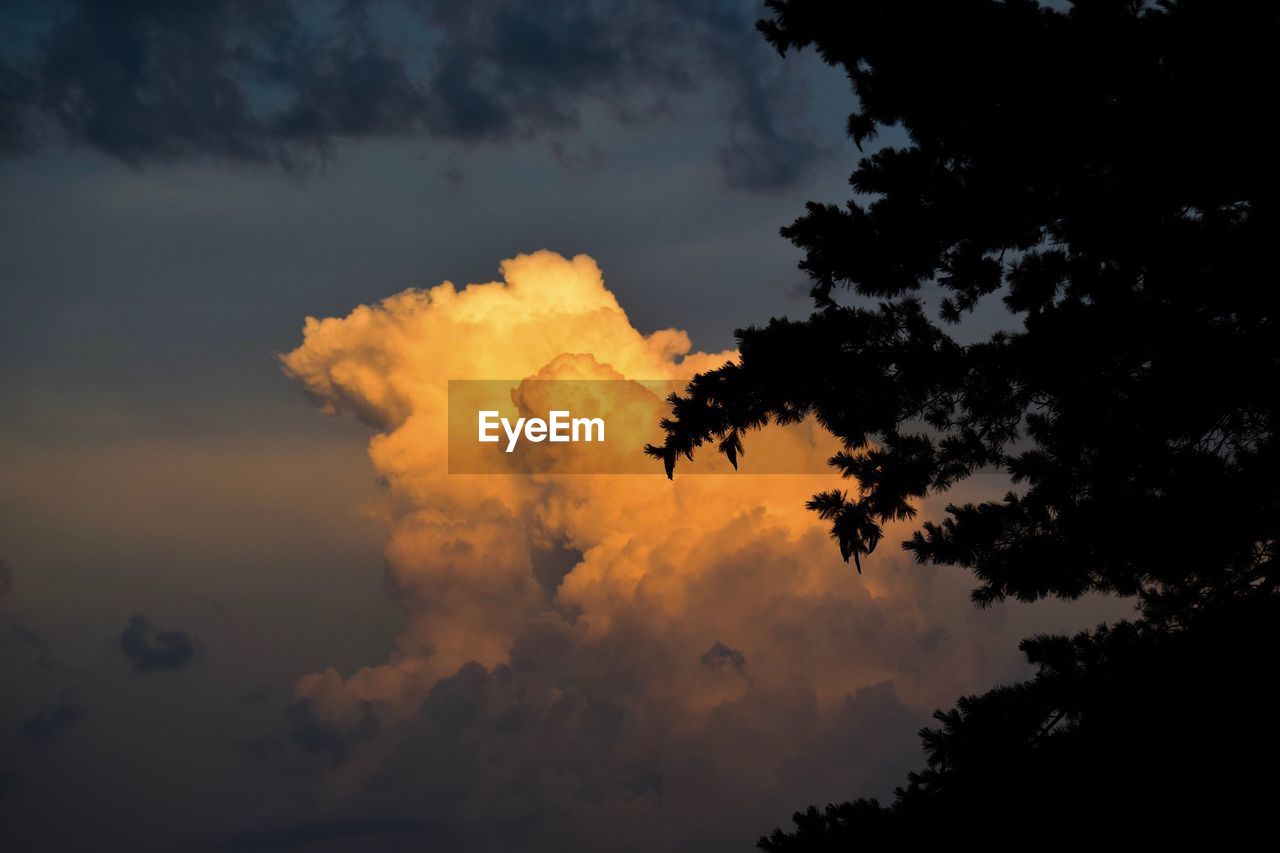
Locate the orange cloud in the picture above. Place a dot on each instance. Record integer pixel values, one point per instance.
(666, 580)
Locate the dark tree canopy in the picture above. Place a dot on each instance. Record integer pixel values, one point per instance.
(1111, 174)
(1110, 171)
(1128, 733)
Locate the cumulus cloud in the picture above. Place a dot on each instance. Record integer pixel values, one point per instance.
(603, 703)
(152, 649)
(273, 81)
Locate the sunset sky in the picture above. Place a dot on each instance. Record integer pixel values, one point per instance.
(243, 605)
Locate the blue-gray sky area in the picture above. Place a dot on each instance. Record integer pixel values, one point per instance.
(189, 545)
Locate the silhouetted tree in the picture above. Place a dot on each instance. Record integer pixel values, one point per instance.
(1109, 170)
(1131, 732)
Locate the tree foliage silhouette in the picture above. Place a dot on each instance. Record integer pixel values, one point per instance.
(1110, 171)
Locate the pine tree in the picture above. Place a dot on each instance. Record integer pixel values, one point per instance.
(1110, 171)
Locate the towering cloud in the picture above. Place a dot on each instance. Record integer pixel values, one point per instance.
(707, 662)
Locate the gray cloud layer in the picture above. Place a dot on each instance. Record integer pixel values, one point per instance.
(551, 752)
(269, 81)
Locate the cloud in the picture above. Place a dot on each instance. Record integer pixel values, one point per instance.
(720, 655)
(271, 81)
(319, 735)
(595, 698)
(150, 649)
(6, 579)
(50, 723)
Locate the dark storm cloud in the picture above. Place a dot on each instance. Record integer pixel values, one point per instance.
(6, 578)
(720, 655)
(271, 81)
(49, 723)
(150, 649)
(457, 701)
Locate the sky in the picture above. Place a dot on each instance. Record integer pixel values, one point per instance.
(242, 604)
